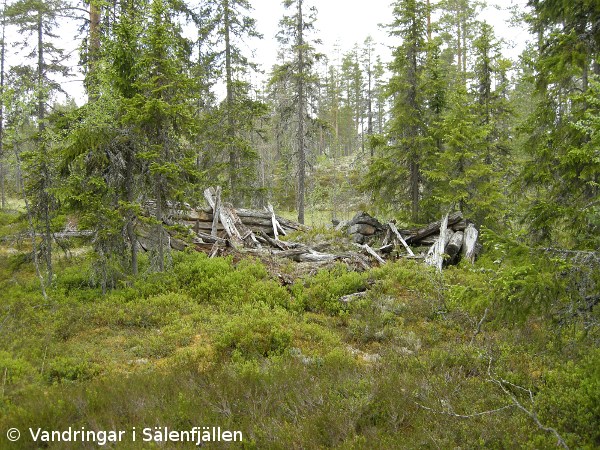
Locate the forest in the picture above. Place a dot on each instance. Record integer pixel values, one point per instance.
(176, 249)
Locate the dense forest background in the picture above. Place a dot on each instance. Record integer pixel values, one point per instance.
(449, 123)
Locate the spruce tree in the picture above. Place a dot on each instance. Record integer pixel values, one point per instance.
(300, 71)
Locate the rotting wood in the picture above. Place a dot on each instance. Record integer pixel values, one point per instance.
(400, 238)
(454, 245)
(226, 220)
(470, 243)
(386, 249)
(434, 227)
(371, 252)
(435, 256)
(273, 242)
(216, 210)
(352, 297)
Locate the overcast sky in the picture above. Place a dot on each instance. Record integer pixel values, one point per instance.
(347, 22)
(340, 24)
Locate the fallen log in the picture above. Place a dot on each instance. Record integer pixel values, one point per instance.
(434, 227)
(454, 245)
(351, 297)
(371, 252)
(226, 221)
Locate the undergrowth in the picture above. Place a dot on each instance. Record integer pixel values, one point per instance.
(463, 359)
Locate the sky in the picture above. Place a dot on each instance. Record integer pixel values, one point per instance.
(348, 22)
(340, 25)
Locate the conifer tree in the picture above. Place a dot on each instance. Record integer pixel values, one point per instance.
(563, 173)
(397, 174)
(300, 70)
(232, 25)
(38, 19)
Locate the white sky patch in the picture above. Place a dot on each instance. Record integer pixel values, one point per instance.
(340, 25)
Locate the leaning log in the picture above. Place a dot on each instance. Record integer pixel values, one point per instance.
(400, 238)
(372, 252)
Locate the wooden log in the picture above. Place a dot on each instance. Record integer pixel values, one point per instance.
(351, 297)
(454, 245)
(245, 214)
(433, 227)
(435, 256)
(371, 252)
(216, 209)
(386, 249)
(306, 254)
(460, 226)
(276, 226)
(273, 242)
(388, 237)
(400, 238)
(226, 219)
(469, 247)
(208, 238)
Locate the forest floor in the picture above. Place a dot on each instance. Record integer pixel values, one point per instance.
(478, 356)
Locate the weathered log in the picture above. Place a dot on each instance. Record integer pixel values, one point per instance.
(207, 238)
(372, 252)
(435, 256)
(216, 210)
(454, 246)
(460, 226)
(273, 242)
(274, 222)
(400, 238)
(385, 249)
(351, 297)
(388, 237)
(246, 214)
(470, 243)
(227, 221)
(429, 240)
(433, 228)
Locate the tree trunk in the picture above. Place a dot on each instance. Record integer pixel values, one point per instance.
(233, 157)
(301, 108)
(129, 196)
(93, 51)
(2, 57)
(45, 173)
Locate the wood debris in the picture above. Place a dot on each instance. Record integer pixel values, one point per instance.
(221, 229)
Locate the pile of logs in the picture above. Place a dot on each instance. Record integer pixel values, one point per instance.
(448, 240)
(220, 226)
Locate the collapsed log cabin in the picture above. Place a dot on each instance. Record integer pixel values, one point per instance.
(219, 226)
